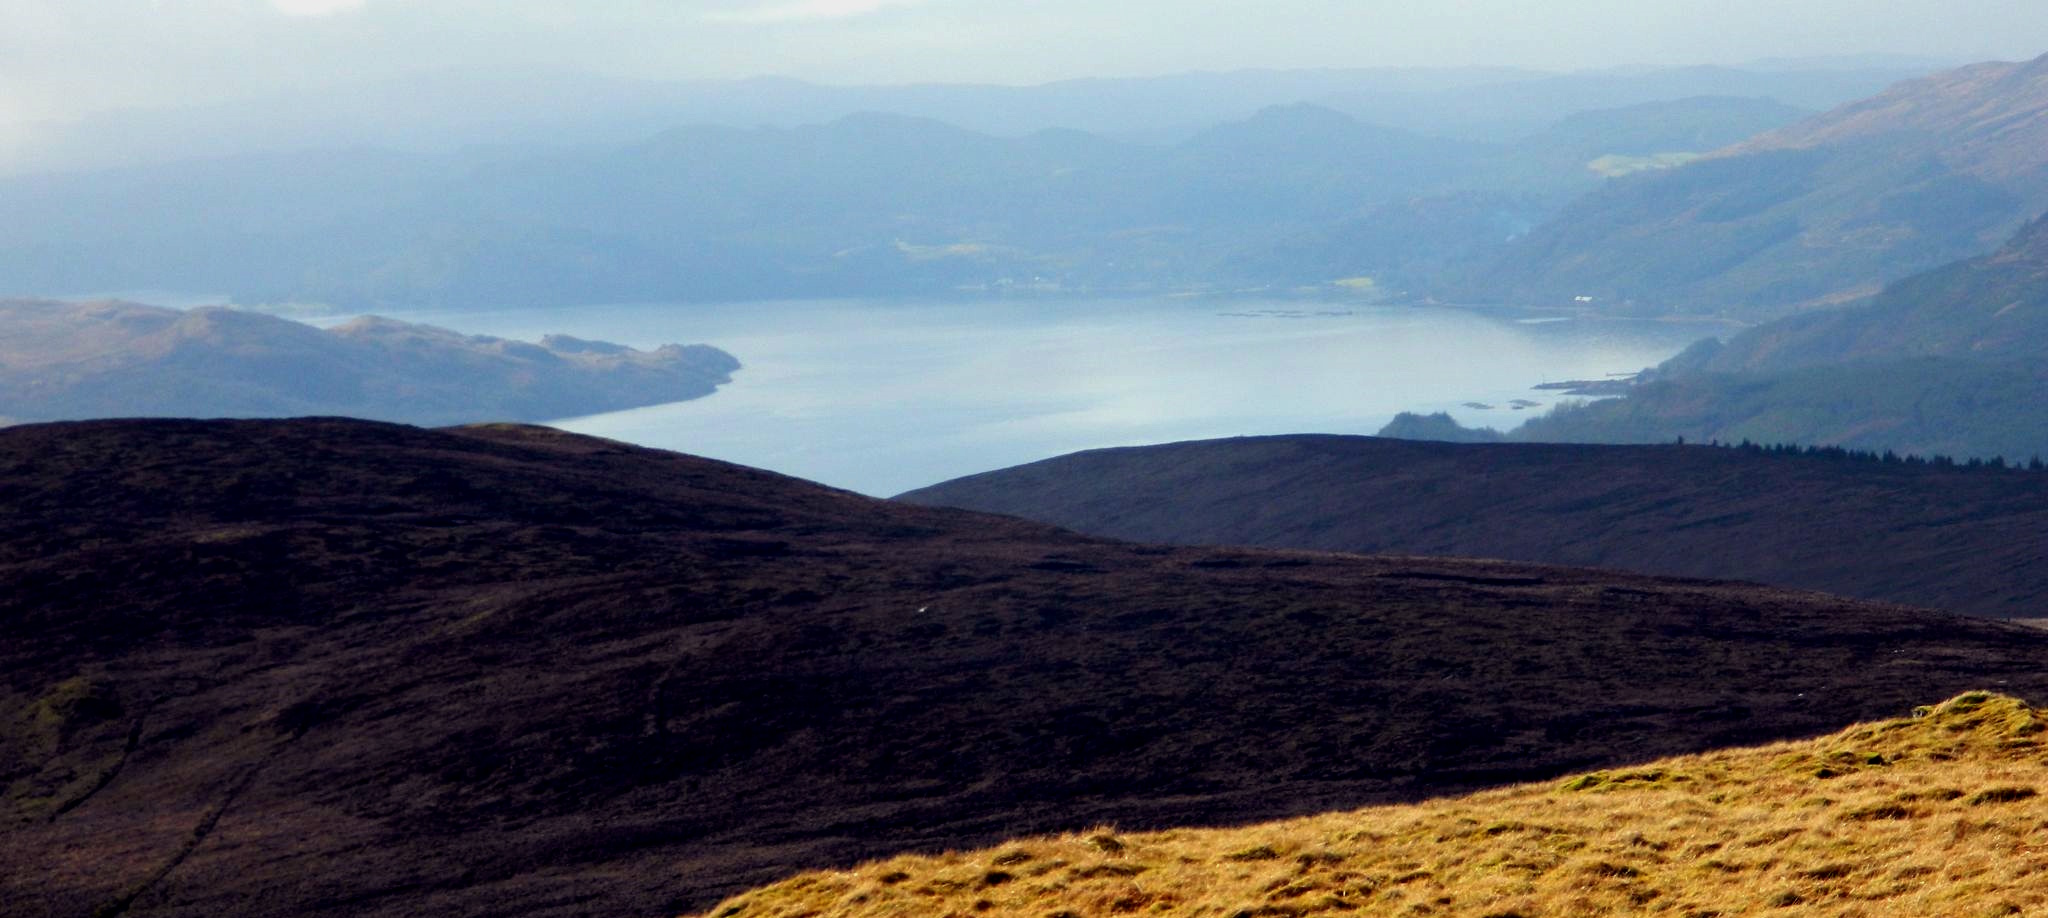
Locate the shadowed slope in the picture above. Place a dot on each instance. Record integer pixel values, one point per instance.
(275, 668)
(1958, 539)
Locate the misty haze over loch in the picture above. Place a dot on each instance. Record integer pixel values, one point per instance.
(882, 396)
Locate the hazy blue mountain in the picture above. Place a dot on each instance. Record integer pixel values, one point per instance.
(1306, 160)
(446, 112)
(1402, 246)
(1292, 196)
(1509, 109)
(1579, 152)
(1989, 308)
(1407, 245)
(1437, 428)
(1952, 361)
(449, 111)
(869, 203)
(244, 224)
(1811, 215)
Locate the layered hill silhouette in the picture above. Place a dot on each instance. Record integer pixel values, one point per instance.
(1819, 213)
(453, 110)
(66, 360)
(1921, 816)
(285, 667)
(1954, 538)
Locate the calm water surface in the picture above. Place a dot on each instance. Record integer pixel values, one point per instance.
(881, 397)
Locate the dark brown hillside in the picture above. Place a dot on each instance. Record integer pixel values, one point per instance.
(1966, 540)
(336, 667)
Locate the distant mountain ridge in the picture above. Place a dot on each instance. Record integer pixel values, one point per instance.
(65, 360)
(1287, 197)
(450, 111)
(869, 204)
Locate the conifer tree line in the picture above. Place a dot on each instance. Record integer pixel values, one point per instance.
(1887, 457)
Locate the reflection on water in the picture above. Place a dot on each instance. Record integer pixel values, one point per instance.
(881, 397)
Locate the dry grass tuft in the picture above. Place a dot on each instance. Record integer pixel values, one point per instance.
(1939, 814)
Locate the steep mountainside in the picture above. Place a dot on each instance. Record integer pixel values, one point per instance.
(1951, 362)
(1936, 815)
(1959, 539)
(278, 668)
(1410, 243)
(1814, 214)
(1989, 308)
(61, 360)
(1983, 120)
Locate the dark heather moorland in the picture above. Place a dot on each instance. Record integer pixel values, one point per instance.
(1963, 539)
(280, 668)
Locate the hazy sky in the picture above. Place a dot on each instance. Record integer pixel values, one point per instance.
(63, 57)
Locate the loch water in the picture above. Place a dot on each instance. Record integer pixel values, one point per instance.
(882, 396)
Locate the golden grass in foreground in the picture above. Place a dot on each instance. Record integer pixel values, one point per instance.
(1935, 815)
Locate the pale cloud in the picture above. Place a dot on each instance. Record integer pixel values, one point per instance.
(803, 11)
(316, 7)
